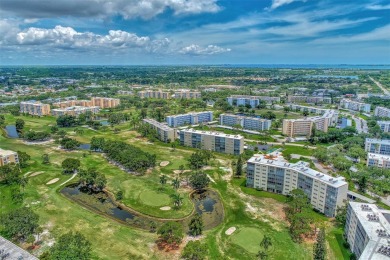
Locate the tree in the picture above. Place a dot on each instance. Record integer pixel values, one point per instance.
(163, 180)
(152, 226)
(176, 183)
(305, 113)
(196, 225)
(319, 248)
(54, 129)
(67, 121)
(19, 125)
(97, 144)
(341, 215)
(195, 250)
(70, 165)
(239, 167)
(362, 184)
(23, 159)
(69, 143)
(171, 233)
(45, 158)
(71, 246)
(199, 181)
(19, 223)
(262, 255)
(92, 180)
(119, 195)
(177, 200)
(266, 242)
(31, 240)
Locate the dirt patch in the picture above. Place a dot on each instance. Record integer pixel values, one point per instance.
(35, 174)
(230, 231)
(178, 171)
(165, 208)
(53, 181)
(164, 163)
(38, 142)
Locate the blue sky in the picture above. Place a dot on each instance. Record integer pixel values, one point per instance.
(130, 32)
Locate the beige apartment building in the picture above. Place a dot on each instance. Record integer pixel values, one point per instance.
(187, 94)
(154, 94)
(212, 141)
(165, 133)
(297, 127)
(35, 108)
(104, 102)
(73, 103)
(7, 156)
(75, 110)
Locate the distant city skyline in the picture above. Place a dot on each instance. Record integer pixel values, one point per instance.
(198, 32)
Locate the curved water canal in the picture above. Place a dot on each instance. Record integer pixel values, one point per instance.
(207, 203)
(11, 131)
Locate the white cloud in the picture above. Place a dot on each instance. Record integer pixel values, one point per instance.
(194, 49)
(129, 9)
(378, 7)
(279, 3)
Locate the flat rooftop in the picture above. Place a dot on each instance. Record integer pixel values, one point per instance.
(383, 122)
(277, 160)
(13, 251)
(192, 113)
(246, 117)
(212, 133)
(378, 156)
(75, 108)
(157, 124)
(6, 152)
(376, 224)
(378, 141)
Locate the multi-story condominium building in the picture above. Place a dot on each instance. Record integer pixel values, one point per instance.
(345, 122)
(212, 141)
(355, 105)
(154, 94)
(274, 174)
(297, 127)
(384, 125)
(377, 146)
(378, 160)
(165, 133)
(367, 231)
(309, 99)
(187, 94)
(7, 156)
(104, 102)
(382, 112)
(303, 127)
(74, 111)
(72, 103)
(246, 122)
(35, 108)
(253, 101)
(312, 110)
(190, 118)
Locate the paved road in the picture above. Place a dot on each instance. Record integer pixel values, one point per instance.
(385, 200)
(380, 86)
(361, 124)
(314, 160)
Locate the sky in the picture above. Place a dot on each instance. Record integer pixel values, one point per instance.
(166, 32)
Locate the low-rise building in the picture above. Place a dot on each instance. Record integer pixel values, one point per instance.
(378, 146)
(355, 105)
(154, 94)
(10, 251)
(73, 103)
(212, 141)
(187, 94)
(164, 132)
(75, 110)
(7, 156)
(378, 160)
(345, 122)
(382, 112)
(35, 108)
(274, 174)
(384, 125)
(309, 99)
(246, 122)
(104, 102)
(367, 231)
(190, 118)
(252, 101)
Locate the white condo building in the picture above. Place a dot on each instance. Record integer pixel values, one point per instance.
(384, 125)
(355, 105)
(367, 231)
(377, 146)
(246, 122)
(378, 160)
(382, 112)
(190, 118)
(252, 101)
(274, 174)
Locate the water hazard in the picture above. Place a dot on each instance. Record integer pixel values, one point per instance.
(11, 131)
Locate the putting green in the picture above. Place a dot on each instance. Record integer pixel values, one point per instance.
(154, 199)
(248, 238)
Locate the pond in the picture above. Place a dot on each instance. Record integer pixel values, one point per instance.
(206, 203)
(104, 122)
(85, 147)
(11, 131)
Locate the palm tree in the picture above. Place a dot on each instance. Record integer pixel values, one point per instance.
(79, 131)
(176, 183)
(262, 255)
(163, 179)
(177, 200)
(266, 242)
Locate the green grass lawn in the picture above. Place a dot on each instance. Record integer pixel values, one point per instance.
(248, 238)
(154, 199)
(257, 193)
(336, 243)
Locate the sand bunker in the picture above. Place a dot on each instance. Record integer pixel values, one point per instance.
(178, 171)
(230, 231)
(164, 163)
(35, 174)
(165, 208)
(53, 181)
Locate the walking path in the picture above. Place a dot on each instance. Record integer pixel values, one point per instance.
(380, 86)
(286, 144)
(71, 178)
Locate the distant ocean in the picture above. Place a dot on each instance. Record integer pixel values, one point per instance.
(308, 66)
